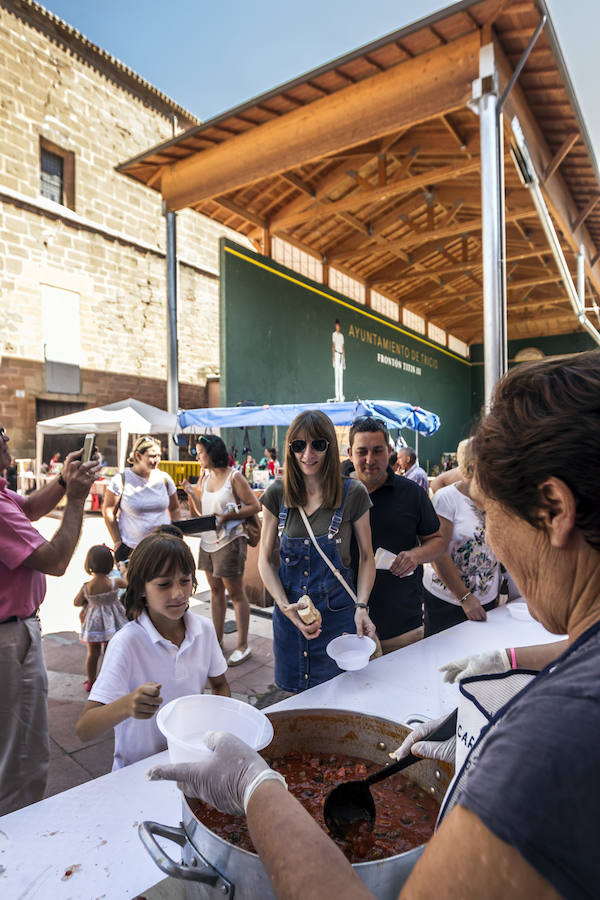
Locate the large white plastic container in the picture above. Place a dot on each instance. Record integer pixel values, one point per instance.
(185, 720)
(350, 651)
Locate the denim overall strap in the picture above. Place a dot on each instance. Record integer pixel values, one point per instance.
(336, 519)
(282, 519)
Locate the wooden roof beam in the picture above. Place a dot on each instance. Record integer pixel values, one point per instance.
(379, 225)
(377, 195)
(298, 183)
(241, 211)
(476, 263)
(329, 182)
(561, 154)
(429, 296)
(368, 110)
(587, 209)
(414, 239)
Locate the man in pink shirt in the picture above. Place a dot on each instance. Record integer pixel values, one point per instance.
(25, 560)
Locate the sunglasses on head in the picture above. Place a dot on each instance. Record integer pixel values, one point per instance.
(3, 433)
(319, 445)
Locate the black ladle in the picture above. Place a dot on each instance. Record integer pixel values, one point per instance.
(352, 802)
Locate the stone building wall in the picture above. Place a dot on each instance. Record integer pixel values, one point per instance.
(109, 249)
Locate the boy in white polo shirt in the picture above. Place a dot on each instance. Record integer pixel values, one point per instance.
(164, 652)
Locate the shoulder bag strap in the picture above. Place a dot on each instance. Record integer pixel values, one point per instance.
(117, 505)
(231, 479)
(335, 571)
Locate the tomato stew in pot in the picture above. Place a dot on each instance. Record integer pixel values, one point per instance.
(406, 814)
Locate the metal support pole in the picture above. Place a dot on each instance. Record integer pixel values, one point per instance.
(581, 276)
(493, 229)
(529, 177)
(172, 347)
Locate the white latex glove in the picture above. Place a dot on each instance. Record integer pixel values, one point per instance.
(414, 743)
(481, 663)
(226, 780)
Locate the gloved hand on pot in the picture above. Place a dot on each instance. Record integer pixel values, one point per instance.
(485, 663)
(226, 780)
(445, 751)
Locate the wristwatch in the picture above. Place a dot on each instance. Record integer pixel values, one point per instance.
(364, 606)
(62, 482)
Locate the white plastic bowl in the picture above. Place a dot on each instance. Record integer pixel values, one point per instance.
(519, 610)
(185, 720)
(350, 651)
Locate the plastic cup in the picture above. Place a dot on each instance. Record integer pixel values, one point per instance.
(185, 720)
(350, 651)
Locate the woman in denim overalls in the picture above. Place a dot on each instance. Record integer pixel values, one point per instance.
(312, 480)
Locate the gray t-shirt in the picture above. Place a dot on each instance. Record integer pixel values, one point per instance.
(357, 503)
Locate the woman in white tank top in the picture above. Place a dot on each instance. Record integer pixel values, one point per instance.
(225, 493)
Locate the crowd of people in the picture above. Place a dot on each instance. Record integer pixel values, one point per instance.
(370, 552)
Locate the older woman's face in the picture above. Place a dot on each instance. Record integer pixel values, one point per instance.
(529, 557)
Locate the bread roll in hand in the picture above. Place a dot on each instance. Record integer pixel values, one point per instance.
(307, 611)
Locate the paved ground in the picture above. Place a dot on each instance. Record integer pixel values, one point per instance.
(71, 761)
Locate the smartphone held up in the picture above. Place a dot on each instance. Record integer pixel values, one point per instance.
(88, 447)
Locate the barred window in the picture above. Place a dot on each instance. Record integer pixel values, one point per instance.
(298, 260)
(412, 320)
(347, 286)
(436, 334)
(57, 173)
(384, 305)
(52, 176)
(458, 346)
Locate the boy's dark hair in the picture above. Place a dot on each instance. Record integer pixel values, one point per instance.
(155, 555)
(99, 560)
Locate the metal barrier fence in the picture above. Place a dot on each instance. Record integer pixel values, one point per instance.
(180, 470)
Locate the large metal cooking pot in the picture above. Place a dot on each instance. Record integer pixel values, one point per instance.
(211, 867)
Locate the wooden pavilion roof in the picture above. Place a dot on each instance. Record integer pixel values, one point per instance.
(371, 164)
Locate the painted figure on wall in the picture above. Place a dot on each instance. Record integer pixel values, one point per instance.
(338, 360)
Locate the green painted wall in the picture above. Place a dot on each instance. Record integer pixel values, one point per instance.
(553, 345)
(276, 329)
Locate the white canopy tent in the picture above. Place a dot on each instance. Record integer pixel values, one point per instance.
(124, 417)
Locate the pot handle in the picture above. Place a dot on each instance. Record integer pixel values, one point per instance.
(149, 831)
(413, 719)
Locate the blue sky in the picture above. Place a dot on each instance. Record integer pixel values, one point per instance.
(210, 56)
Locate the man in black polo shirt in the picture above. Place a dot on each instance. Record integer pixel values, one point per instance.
(402, 521)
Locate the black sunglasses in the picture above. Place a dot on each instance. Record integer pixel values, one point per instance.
(319, 445)
(3, 434)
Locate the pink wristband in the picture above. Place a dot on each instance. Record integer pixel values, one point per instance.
(513, 658)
